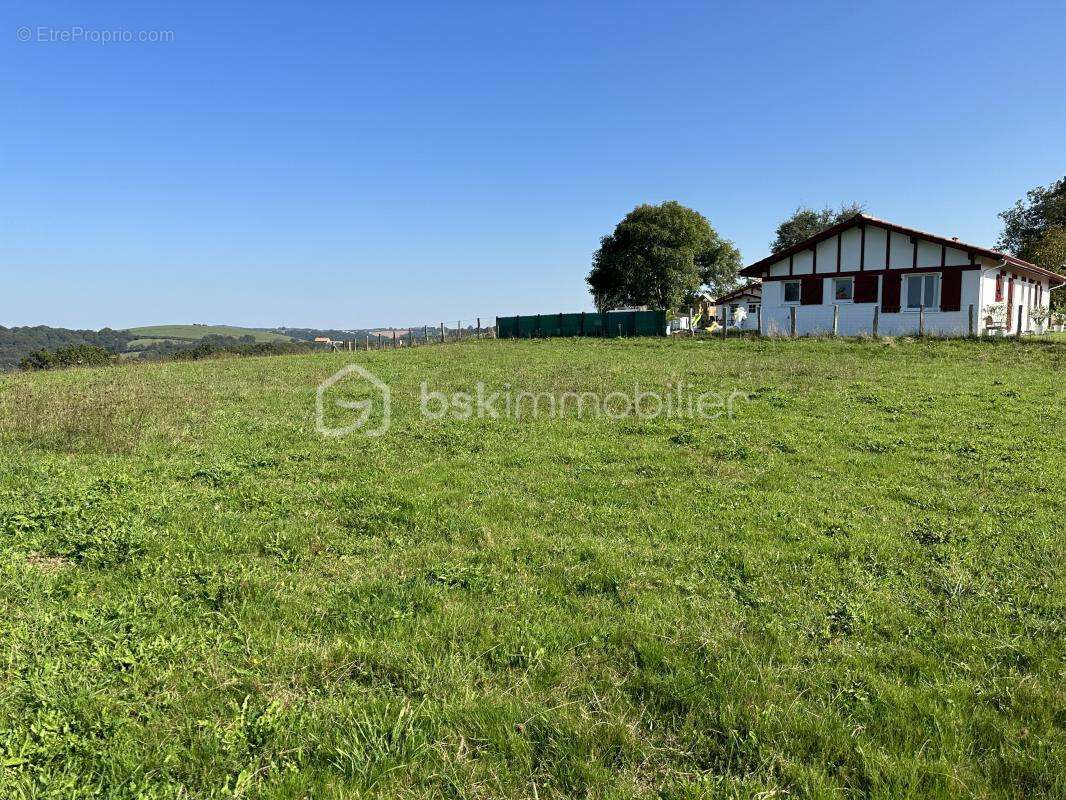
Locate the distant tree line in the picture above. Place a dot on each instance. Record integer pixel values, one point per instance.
(220, 346)
(17, 343)
(88, 355)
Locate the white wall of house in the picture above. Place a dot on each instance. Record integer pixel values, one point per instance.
(1027, 295)
(857, 319)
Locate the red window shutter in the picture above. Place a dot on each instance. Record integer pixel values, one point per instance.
(865, 289)
(951, 290)
(1010, 302)
(999, 288)
(890, 292)
(811, 292)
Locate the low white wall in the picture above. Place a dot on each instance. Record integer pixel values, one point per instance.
(856, 319)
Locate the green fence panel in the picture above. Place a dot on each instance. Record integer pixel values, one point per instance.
(611, 323)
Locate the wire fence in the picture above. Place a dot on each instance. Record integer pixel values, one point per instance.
(474, 329)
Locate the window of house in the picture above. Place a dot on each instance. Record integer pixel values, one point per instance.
(922, 290)
(844, 288)
(792, 291)
(753, 308)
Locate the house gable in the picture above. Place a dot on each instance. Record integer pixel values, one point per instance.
(867, 244)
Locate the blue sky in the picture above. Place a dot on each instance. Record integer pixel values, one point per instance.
(348, 165)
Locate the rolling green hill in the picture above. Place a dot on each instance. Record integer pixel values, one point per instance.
(195, 332)
(852, 588)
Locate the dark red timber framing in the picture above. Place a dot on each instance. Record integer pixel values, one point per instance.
(846, 273)
(839, 239)
(914, 253)
(888, 248)
(862, 247)
(890, 291)
(1010, 301)
(951, 290)
(866, 287)
(811, 291)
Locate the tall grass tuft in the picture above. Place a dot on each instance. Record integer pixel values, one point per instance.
(99, 412)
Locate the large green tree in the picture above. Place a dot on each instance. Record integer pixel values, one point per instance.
(806, 222)
(1035, 230)
(1029, 224)
(659, 256)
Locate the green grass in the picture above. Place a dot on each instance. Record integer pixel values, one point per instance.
(149, 333)
(852, 589)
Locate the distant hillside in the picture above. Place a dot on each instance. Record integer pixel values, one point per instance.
(145, 341)
(310, 334)
(193, 333)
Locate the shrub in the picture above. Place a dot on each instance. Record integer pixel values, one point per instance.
(76, 355)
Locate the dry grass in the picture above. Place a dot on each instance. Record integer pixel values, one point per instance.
(104, 411)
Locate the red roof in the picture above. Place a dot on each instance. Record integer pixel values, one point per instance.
(756, 270)
(754, 288)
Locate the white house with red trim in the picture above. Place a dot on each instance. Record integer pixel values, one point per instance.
(865, 271)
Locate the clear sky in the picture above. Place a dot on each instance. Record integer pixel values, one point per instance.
(338, 164)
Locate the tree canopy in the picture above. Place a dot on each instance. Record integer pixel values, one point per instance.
(660, 256)
(1034, 229)
(806, 222)
(1033, 226)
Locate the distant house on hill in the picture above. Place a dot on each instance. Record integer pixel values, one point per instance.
(910, 277)
(748, 298)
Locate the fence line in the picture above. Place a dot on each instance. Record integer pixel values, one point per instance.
(474, 329)
(795, 321)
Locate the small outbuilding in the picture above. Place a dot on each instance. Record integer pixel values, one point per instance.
(740, 307)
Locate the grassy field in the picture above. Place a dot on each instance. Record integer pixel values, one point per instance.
(852, 588)
(196, 332)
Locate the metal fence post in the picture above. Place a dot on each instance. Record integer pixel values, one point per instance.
(792, 321)
(921, 320)
(877, 320)
(836, 319)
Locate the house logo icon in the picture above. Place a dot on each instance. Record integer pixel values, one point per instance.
(371, 393)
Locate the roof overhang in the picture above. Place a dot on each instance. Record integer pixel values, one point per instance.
(759, 268)
(753, 289)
